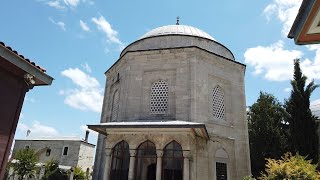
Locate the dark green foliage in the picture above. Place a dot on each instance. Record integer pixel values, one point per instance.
(302, 124)
(53, 172)
(267, 132)
(25, 164)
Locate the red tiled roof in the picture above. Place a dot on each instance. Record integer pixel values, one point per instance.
(22, 57)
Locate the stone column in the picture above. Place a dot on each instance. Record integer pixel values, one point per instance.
(159, 164)
(186, 165)
(11, 173)
(107, 164)
(131, 164)
(42, 171)
(71, 174)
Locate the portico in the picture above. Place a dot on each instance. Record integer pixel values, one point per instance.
(149, 150)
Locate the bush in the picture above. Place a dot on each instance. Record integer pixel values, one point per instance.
(248, 178)
(290, 167)
(53, 172)
(79, 174)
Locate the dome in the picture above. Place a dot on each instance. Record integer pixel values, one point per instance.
(178, 30)
(178, 36)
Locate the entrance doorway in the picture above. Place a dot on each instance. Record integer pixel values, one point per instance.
(151, 174)
(146, 160)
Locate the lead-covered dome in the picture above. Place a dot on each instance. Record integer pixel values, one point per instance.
(177, 29)
(178, 36)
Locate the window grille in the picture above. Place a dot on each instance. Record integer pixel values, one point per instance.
(146, 161)
(120, 161)
(115, 106)
(159, 97)
(172, 162)
(218, 103)
(221, 171)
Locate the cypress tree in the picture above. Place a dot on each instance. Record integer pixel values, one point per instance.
(302, 125)
(267, 137)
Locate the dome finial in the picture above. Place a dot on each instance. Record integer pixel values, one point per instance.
(177, 20)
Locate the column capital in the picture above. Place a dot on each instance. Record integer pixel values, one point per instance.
(108, 151)
(159, 153)
(187, 154)
(133, 152)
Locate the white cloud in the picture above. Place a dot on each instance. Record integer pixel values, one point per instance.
(65, 4)
(84, 26)
(58, 23)
(285, 10)
(287, 89)
(106, 50)
(37, 129)
(274, 61)
(88, 93)
(105, 26)
(55, 4)
(90, 2)
(315, 107)
(80, 78)
(317, 49)
(72, 3)
(86, 67)
(32, 100)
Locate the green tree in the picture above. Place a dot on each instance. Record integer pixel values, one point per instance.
(79, 174)
(290, 167)
(267, 132)
(302, 124)
(53, 172)
(25, 164)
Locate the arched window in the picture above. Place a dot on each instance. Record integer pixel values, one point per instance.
(218, 103)
(221, 158)
(115, 106)
(159, 97)
(120, 161)
(146, 161)
(172, 162)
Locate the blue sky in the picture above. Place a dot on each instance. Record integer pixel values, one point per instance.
(78, 40)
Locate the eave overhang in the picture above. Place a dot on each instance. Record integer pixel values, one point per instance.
(12, 60)
(306, 27)
(197, 129)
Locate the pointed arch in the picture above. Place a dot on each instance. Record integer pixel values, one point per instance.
(159, 97)
(120, 161)
(115, 106)
(221, 153)
(146, 160)
(172, 161)
(221, 163)
(218, 103)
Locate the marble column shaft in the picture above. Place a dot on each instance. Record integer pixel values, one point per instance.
(131, 164)
(186, 165)
(159, 164)
(107, 164)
